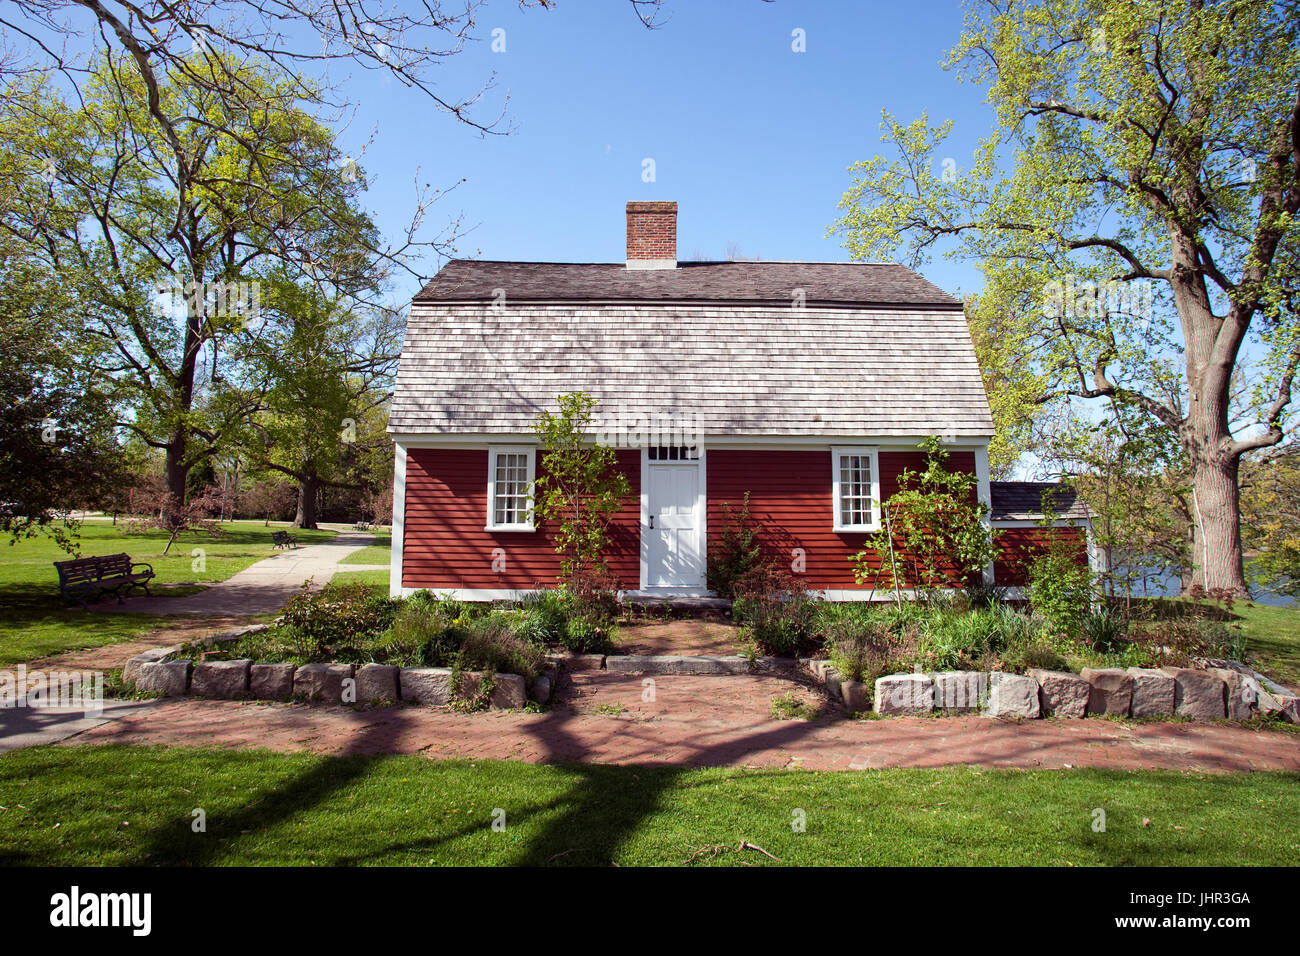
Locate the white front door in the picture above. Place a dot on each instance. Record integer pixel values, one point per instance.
(672, 528)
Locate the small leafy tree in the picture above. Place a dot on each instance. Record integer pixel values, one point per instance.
(734, 550)
(581, 489)
(155, 507)
(1060, 584)
(1271, 504)
(935, 534)
(269, 498)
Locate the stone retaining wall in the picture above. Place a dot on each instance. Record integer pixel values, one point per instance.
(161, 670)
(1211, 690)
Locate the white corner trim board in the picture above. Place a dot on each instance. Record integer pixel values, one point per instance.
(399, 521)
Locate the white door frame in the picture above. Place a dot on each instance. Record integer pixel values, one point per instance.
(701, 512)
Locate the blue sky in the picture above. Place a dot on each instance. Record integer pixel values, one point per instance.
(750, 138)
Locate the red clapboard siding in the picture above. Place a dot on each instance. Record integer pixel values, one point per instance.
(1018, 546)
(445, 546)
(790, 496)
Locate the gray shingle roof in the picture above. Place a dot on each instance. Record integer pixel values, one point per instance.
(839, 282)
(743, 368)
(1023, 500)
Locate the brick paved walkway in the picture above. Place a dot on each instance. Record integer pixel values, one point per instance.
(692, 638)
(701, 721)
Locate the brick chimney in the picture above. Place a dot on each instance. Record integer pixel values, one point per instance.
(652, 235)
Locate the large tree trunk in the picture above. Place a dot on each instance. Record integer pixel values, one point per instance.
(1206, 436)
(177, 471)
(1216, 536)
(177, 466)
(308, 489)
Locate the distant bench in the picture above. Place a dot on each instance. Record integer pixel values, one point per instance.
(116, 574)
(361, 526)
(283, 539)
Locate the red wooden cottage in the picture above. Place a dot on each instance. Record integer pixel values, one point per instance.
(807, 384)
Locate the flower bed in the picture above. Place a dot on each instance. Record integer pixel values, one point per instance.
(345, 644)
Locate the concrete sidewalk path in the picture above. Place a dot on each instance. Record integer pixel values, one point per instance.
(261, 588)
(38, 726)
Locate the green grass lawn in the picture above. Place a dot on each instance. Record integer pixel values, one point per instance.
(381, 552)
(36, 622)
(1273, 639)
(373, 579)
(134, 806)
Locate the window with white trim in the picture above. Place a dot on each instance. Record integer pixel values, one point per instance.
(511, 471)
(855, 487)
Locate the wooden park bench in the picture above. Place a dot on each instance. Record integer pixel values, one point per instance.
(283, 539)
(116, 574)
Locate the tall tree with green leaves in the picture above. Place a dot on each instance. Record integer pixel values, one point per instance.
(168, 263)
(580, 489)
(59, 447)
(327, 370)
(1134, 214)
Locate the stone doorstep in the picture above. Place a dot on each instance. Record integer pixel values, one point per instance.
(578, 662)
(701, 666)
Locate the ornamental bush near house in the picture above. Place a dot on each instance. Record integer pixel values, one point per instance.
(314, 623)
(493, 644)
(425, 632)
(861, 649)
(584, 635)
(1060, 585)
(545, 614)
(773, 602)
(734, 549)
(955, 641)
(932, 533)
(581, 489)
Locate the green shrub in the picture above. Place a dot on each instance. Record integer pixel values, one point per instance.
(734, 549)
(934, 536)
(586, 635)
(1015, 627)
(953, 640)
(324, 624)
(860, 647)
(1104, 630)
(1060, 588)
(1037, 654)
(425, 632)
(545, 614)
(775, 605)
(493, 644)
(908, 616)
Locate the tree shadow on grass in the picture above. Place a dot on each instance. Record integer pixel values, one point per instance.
(176, 844)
